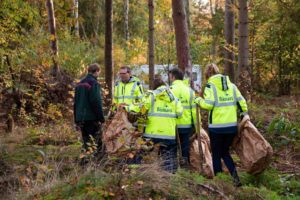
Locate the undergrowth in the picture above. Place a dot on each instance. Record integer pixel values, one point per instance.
(41, 162)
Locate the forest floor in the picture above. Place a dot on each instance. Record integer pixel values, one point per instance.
(42, 162)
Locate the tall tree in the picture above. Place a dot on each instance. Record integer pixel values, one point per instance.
(92, 12)
(151, 43)
(217, 26)
(126, 26)
(229, 38)
(181, 35)
(76, 27)
(187, 11)
(108, 47)
(214, 38)
(53, 38)
(244, 79)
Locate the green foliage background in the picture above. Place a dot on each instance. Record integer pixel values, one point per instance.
(274, 42)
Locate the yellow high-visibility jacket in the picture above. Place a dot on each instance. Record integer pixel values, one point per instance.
(129, 92)
(186, 96)
(163, 110)
(222, 98)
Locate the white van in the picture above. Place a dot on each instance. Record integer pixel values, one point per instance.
(142, 72)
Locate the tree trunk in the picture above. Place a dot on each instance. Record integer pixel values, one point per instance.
(126, 11)
(229, 37)
(284, 81)
(213, 44)
(187, 11)
(16, 99)
(126, 26)
(108, 47)
(215, 37)
(244, 79)
(53, 38)
(255, 79)
(151, 43)
(181, 35)
(76, 27)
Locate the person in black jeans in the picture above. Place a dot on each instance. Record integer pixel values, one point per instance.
(88, 112)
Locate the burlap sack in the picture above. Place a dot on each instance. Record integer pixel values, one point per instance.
(195, 159)
(121, 137)
(253, 150)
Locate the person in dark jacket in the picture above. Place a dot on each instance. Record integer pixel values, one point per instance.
(88, 111)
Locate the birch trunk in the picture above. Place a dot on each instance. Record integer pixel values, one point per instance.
(76, 27)
(53, 37)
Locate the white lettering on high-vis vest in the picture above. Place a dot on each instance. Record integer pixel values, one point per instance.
(164, 109)
(225, 98)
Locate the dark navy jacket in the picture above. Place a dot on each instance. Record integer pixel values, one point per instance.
(87, 100)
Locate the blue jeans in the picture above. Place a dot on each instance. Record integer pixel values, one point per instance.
(168, 152)
(184, 136)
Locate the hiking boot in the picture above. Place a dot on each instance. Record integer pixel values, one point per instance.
(236, 180)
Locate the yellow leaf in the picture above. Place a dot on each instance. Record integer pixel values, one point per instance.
(143, 110)
(111, 194)
(81, 156)
(52, 37)
(140, 182)
(131, 155)
(124, 187)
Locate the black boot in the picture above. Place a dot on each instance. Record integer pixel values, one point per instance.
(236, 179)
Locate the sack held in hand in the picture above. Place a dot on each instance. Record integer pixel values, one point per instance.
(121, 138)
(196, 161)
(253, 150)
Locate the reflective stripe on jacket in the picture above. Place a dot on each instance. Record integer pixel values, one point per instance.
(186, 96)
(129, 92)
(163, 110)
(222, 98)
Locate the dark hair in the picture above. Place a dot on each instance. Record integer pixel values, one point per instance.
(127, 68)
(93, 68)
(177, 73)
(158, 82)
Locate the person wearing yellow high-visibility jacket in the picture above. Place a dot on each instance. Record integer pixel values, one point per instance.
(129, 89)
(163, 109)
(185, 124)
(222, 99)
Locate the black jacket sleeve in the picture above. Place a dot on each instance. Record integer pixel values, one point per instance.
(74, 105)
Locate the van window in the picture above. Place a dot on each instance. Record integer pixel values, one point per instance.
(194, 76)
